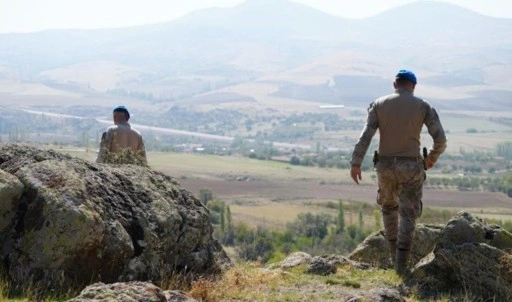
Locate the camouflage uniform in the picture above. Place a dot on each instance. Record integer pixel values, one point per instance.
(399, 117)
(122, 139)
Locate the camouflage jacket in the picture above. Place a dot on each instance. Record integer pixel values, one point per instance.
(122, 144)
(400, 117)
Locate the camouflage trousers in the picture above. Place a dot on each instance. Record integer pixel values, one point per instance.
(400, 192)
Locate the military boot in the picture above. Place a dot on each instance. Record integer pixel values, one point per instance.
(390, 218)
(402, 257)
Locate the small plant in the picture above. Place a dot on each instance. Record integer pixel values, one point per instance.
(351, 283)
(202, 289)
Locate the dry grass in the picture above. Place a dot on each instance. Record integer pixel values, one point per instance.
(251, 282)
(278, 215)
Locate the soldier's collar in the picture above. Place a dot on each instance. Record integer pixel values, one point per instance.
(404, 90)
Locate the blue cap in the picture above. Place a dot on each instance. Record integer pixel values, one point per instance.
(122, 108)
(406, 74)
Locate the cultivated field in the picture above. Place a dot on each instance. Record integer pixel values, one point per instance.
(273, 193)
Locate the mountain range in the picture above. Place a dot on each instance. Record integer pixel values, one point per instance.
(461, 58)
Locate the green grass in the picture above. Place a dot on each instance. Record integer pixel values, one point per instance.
(205, 165)
(196, 164)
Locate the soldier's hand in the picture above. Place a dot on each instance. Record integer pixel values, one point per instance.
(429, 163)
(355, 173)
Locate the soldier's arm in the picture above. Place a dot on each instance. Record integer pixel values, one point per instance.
(366, 137)
(106, 141)
(142, 150)
(436, 131)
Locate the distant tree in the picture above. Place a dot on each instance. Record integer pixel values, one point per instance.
(222, 218)
(257, 246)
(295, 160)
(309, 225)
(378, 220)
(340, 222)
(205, 195)
(504, 150)
(229, 235)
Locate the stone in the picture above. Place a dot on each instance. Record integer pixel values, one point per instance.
(129, 292)
(11, 189)
(321, 266)
(374, 249)
(296, 259)
(77, 223)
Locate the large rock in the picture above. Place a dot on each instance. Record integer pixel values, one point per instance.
(329, 261)
(296, 259)
(466, 256)
(129, 292)
(11, 189)
(466, 228)
(480, 270)
(76, 223)
(472, 257)
(374, 249)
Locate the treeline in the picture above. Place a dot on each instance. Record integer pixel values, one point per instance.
(311, 233)
(20, 126)
(470, 183)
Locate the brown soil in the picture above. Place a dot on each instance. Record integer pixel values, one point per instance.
(230, 190)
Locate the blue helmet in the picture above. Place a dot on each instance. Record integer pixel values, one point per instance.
(122, 108)
(407, 75)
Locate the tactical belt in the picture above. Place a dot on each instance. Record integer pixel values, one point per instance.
(400, 158)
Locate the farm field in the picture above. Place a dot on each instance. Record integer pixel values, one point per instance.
(273, 193)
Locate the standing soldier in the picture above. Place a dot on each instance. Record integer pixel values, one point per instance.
(120, 143)
(400, 117)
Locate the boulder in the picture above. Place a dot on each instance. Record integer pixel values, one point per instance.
(129, 292)
(466, 256)
(473, 257)
(318, 264)
(76, 223)
(386, 294)
(480, 270)
(296, 259)
(321, 266)
(466, 228)
(374, 249)
(11, 189)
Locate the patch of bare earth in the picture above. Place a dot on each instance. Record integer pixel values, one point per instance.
(275, 190)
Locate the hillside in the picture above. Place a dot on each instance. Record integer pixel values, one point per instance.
(460, 56)
(145, 237)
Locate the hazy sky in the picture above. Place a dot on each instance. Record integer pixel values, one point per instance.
(35, 15)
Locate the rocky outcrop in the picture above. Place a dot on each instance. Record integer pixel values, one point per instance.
(295, 259)
(374, 249)
(68, 223)
(472, 257)
(319, 265)
(11, 189)
(465, 255)
(385, 294)
(129, 292)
